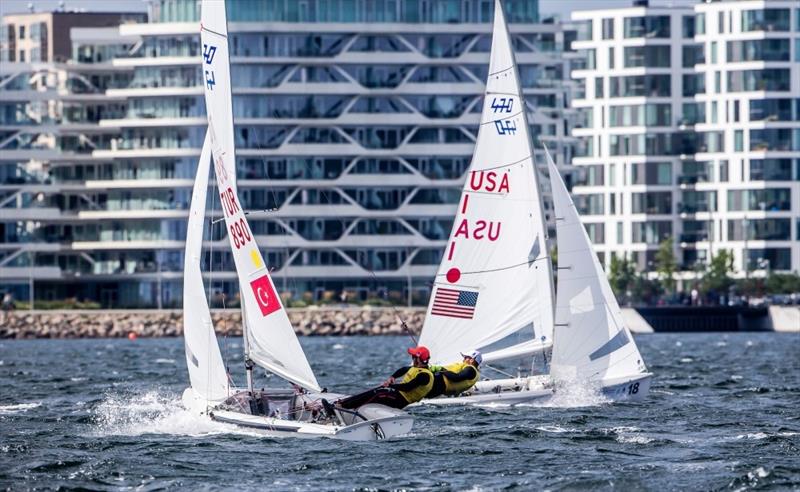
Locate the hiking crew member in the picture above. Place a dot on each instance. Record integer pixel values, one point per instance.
(456, 378)
(416, 382)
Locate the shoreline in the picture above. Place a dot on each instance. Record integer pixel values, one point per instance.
(334, 320)
(313, 321)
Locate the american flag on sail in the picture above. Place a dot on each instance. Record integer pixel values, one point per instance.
(454, 303)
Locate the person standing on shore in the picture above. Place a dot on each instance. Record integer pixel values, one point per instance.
(416, 383)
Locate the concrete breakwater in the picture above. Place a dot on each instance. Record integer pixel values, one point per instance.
(145, 323)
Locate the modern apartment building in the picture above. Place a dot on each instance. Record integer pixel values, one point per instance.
(355, 124)
(691, 132)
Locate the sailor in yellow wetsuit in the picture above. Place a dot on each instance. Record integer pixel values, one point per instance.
(456, 378)
(416, 382)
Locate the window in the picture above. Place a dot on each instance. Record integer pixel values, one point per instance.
(647, 56)
(589, 204)
(584, 30)
(640, 85)
(770, 199)
(641, 115)
(692, 55)
(771, 169)
(651, 232)
(723, 171)
(653, 202)
(765, 20)
(596, 232)
(21, 32)
(21, 56)
(718, 82)
(647, 27)
(598, 87)
(694, 84)
(714, 112)
(651, 173)
(713, 51)
(697, 201)
(759, 80)
(758, 50)
(769, 259)
(738, 140)
(776, 139)
(775, 109)
(700, 24)
(608, 28)
(611, 56)
(620, 231)
(688, 23)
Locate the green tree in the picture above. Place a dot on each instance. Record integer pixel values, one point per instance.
(621, 275)
(716, 278)
(666, 265)
(783, 283)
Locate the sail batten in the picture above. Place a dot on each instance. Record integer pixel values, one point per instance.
(591, 338)
(271, 339)
(495, 277)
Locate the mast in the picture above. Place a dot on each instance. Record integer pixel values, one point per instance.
(248, 362)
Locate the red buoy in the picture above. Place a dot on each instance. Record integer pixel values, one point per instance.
(132, 336)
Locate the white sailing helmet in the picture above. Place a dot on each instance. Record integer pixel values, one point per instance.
(475, 355)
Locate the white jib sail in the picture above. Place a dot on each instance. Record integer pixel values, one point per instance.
(273, 343)
(495, 276)
(206, 369)
(591, 340)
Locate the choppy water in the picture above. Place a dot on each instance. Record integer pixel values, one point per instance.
(724, 413)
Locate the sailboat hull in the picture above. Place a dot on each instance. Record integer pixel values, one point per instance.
(515, 391)
(282, 413)
(634, 388)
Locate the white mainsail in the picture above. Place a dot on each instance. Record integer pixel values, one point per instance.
(206, 370)
(495, 277)
(592, 341)
(272, 341)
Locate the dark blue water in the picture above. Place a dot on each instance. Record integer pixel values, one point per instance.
(105, 414)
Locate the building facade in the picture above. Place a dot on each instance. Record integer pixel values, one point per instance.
(691, 132)
(355, 124)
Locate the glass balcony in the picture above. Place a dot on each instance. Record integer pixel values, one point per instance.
(760, 229)
(772, 169)
(768, 200)
(647, 56)
(652, 202)
(775, 110)
(766, 20)
(650, 26)
(693, 172)
(651, 232)
(759, 80)
(641, 85)
(693, 202)
(759, 50)
(775, 139)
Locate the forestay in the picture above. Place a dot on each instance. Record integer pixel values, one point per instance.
(591, 340)
(495, 276)
(273, 343)
(206, 370)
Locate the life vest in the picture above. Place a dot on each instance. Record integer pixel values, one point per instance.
(418, 393)
(454, 388)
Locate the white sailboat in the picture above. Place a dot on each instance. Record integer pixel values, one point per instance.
(496, 275)
(269, 339)
(496, 278)
(593, 345)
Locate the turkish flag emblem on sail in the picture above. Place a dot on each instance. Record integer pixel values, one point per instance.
(266, 298)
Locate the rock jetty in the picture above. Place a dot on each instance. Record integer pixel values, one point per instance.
(313, 321)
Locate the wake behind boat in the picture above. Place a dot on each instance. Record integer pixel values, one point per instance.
(269, 339)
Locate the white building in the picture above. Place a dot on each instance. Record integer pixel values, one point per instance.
(355, 124)
(691, 131)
